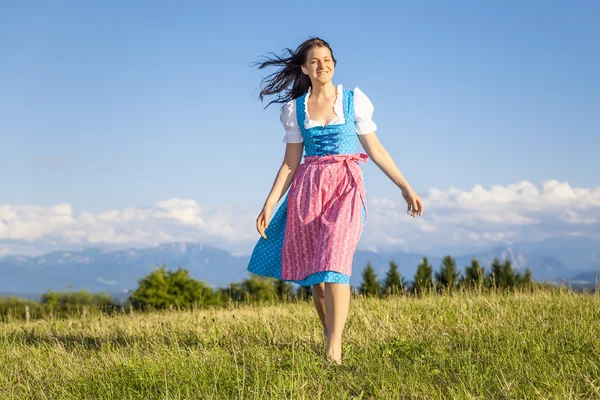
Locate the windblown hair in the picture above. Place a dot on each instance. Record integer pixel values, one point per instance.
(289, 82)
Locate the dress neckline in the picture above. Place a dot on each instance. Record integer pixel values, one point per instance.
(338, 109)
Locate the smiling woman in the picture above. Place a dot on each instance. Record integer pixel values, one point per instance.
(312, 238)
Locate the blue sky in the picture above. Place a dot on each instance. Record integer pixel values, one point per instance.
(115, 105)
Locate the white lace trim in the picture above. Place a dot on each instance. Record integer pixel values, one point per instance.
(338, 109)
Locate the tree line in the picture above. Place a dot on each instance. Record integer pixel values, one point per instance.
(58, 304)
(169, 289)
(163, 288)
(501, 275)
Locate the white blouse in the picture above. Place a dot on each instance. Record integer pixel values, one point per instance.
(363, 109)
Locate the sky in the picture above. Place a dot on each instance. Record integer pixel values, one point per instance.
(137, 123)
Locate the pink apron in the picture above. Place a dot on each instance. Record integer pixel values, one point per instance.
(324, 215)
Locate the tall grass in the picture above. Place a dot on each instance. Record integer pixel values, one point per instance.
(462, 345)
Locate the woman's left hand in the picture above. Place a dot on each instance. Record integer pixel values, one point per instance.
(415, 205)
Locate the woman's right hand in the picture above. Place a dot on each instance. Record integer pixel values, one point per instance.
(262, 222)
(415, 205)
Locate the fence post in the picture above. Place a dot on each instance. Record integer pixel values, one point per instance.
(130, 309)
(27, 313)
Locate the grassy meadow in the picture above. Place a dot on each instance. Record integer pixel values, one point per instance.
(543, 344)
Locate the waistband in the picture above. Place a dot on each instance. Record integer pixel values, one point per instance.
(331, 158)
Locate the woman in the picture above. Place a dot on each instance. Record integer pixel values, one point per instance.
(312, 238)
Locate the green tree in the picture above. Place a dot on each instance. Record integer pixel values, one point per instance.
(474, 274)
(524, 279)
(510, 277)
(233, 292)
(394, 282)
(496, 275)
(423, 276)
(304, 292)
(283, 289)
(447, 277)
(64, 302)
(13, 305)
(163, 289)
(505, 277)
(258, 288)
(370, 285)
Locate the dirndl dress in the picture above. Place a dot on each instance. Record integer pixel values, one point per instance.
(314, 233)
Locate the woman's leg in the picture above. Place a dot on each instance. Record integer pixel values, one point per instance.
(337, 302)
(318, 293)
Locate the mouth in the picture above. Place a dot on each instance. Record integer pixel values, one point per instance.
(321, 73)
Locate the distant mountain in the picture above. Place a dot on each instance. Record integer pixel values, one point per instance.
(579, 253)
(543, 267)
(584, 279)
(116, 271)
(589, 276)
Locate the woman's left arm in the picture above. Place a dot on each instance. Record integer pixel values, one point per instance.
(384, 161)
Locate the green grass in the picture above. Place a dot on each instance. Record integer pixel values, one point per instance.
(540, 345)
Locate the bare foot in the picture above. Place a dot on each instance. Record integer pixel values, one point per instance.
(334, 356)
(334, 360)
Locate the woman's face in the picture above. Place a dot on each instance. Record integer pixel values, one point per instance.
(319, 65)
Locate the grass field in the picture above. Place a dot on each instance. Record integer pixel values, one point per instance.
(540, 345)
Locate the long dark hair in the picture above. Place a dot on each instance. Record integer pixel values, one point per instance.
(289, 82)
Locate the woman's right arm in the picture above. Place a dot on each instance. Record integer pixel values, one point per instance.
(283, 180)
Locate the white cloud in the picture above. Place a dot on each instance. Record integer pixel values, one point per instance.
(170, 220)
(523, 196)
(473, 236)
(498, 236)
(571, 217)
(477, 217)
(484, 216)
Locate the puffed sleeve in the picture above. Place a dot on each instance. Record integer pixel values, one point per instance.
(293, 134)
(363, 109)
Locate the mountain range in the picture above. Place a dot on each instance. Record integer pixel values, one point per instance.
(573, 260)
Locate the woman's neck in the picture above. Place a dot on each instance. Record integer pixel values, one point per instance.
(325, 90)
